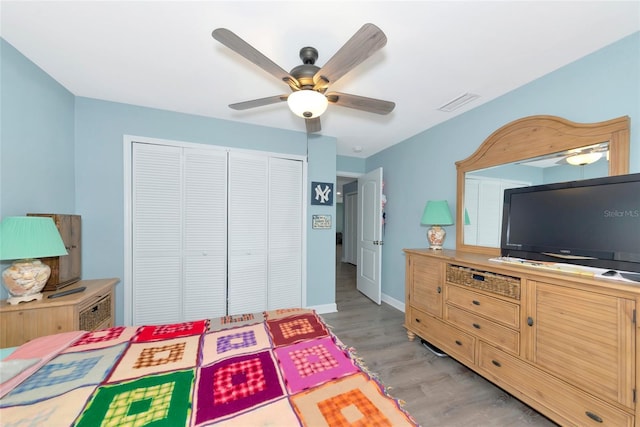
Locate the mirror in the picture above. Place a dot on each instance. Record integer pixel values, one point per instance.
(521, 153)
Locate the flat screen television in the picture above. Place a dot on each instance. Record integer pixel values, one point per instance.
(591, 222)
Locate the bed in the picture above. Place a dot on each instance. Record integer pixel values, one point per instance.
(277, 368)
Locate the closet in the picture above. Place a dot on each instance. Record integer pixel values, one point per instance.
(213, 232)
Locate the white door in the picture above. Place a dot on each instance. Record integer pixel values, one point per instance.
(369, 266)
(179, 233)
(248, 233)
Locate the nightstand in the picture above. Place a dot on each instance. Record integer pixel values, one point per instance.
(92, 309)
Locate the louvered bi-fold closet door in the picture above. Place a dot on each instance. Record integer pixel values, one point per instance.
(265, 233)
(285, 234)
(205, 234)
(247, 238)
(178, 233)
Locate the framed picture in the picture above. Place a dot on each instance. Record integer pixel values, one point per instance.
(322, 193)
(322, 222)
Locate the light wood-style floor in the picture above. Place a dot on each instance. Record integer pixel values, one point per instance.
(437, 391)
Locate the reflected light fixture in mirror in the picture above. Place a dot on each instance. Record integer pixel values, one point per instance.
(583, 159)
(307, 103)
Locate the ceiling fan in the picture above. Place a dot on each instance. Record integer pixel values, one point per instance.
(308, 82)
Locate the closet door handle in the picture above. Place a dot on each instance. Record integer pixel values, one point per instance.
(439, 289)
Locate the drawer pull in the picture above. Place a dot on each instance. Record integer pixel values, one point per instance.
(458, 342)
(530, 321)
(417, 320)
(475, 302)
(475, 325)
(439, 289)
(594, 417)
(478, 277)
(94, 309)
(495, 362)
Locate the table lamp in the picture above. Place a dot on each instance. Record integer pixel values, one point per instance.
(24, 238)
(436, 214)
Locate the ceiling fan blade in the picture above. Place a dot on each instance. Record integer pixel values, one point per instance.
(241, 47)
(258, 102)
(313, 125)
(364, 43)
(371, 105)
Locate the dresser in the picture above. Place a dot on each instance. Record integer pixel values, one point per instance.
(564, 343)
(91, 309)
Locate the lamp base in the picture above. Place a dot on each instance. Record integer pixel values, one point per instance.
(435, 236)
(25, 279)
(25, 298)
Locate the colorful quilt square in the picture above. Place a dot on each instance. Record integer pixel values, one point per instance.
(290, 330)
(355, 400)
(236, 320)
(310, 363)
(276, 414)
(158, 400)
(236, 384)
(103, 338)
(58, 411)
(232, 342)
(64, 373)
(287, 312)
(146, 358)
(169, 331)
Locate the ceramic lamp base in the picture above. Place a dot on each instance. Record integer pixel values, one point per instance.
(25, 298)
(25, 279)
(435, 236)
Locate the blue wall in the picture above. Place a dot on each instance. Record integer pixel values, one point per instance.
(83, 140)
(36, 139)
(598, 87)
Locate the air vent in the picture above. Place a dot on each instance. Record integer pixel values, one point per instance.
(458, 102)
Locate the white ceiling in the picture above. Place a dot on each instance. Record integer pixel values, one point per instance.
(162, 55)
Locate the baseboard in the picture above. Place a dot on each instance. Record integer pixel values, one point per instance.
(324, 308)
(398, 305)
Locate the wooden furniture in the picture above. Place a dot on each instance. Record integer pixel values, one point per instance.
(533, 137)
(564, 343)
(89, 310)
(65, 270)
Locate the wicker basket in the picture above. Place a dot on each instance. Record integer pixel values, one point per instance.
(490, 282)
(94, 315)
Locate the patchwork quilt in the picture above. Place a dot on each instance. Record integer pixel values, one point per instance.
(276, 368)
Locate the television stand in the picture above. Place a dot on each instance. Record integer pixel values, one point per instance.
(565, 344)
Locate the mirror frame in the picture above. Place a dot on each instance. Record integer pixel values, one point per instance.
(536, 136)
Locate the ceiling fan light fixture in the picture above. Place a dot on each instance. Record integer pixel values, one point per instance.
(307, 103)
(583, 159)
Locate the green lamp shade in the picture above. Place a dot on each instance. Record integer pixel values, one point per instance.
(24, 237)
(467, 221)
(436, 212)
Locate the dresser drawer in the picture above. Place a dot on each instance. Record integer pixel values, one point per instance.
(455, 342)
(94, 315)
(546, 391)
(503, 337)
(494, 309)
